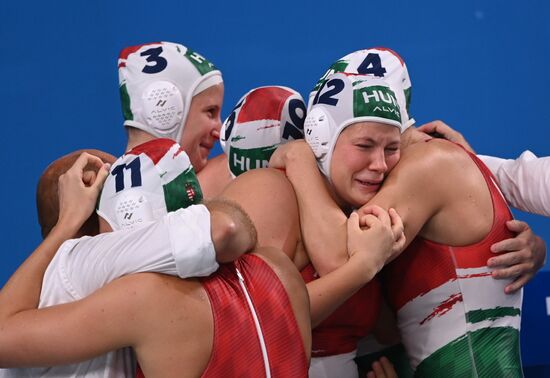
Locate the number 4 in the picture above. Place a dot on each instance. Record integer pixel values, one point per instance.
(372, 65)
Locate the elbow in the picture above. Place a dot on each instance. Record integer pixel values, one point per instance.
(234, 240)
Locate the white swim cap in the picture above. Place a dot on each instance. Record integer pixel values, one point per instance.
(263, 119)
(146, 183)
(157, 83)
(376, 62)
(343, 100)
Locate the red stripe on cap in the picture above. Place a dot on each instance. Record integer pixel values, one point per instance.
(263, 103)
(132, 49)
(154, 149)
(390, 51)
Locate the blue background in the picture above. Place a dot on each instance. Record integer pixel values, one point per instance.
(481, 66)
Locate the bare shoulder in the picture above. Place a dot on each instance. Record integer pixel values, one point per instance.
(268, 198)
(434, 154)
(263, 178)
(215, 176)
(215, 163)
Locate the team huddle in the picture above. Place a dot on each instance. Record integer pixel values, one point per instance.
(331, 239)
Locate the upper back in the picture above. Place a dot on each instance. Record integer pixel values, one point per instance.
(198, 326)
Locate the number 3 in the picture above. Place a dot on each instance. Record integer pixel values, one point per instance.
(153, 55)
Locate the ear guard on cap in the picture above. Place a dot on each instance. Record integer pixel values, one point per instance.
(317, 132)
(163, 106)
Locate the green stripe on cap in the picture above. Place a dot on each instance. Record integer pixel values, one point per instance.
(125, 99)
(376, 101)
(338, 66)
(242, 160)
(477, 316)
(200, 62)
(183, 191)
(408, 94)
(488, 352)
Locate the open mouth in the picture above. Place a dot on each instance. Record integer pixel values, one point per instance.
(369, 184)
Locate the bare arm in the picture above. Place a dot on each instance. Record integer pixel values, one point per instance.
(324, 236)
(322, 221)
(233, 233)
(523, 182)
(78, 193)
(54, 335)
(369, 248)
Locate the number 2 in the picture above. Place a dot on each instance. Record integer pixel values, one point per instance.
(336, 86)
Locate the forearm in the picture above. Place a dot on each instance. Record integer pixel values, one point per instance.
(329, 292)
(322, 222)
(22, 291)
(54, 335)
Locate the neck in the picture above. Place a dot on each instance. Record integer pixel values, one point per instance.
(137, 137)
(346, 208)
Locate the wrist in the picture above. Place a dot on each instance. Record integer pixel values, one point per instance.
(66, 227)
(362, 269)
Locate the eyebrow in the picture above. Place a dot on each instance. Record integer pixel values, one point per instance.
(370, 140)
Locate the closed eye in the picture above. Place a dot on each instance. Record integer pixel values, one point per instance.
(212, 112)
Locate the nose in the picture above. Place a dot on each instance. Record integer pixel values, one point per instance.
(215, 133)
(378, 161)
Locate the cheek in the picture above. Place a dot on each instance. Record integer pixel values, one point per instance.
(392, 161)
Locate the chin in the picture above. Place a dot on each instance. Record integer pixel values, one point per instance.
(360, 200)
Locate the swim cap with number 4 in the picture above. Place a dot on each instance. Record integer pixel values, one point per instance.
(378, 63)
(343, 100)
